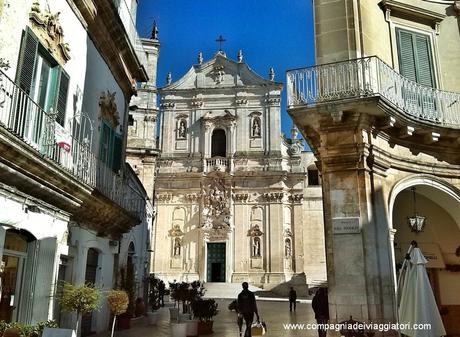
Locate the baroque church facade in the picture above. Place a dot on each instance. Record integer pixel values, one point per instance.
(232, 195)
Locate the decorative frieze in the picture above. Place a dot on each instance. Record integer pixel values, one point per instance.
(196, 103)
(192, 197)
(273, 100)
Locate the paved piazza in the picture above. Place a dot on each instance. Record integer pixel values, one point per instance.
(274, 313)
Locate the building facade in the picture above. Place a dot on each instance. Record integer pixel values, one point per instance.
(381, 112)
(232, 201)
(71, 209)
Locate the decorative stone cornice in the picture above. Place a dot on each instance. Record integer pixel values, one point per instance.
(273, 100)
(192, 197)
(241, 197)
(196, 103)
(296, 198)
(168, 105)
(49, 31)
(241, 101)
(273, 196)
(165, 197)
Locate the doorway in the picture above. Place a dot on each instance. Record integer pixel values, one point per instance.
(218, 143)
(92, 263)
(13, 262)
(216, 262)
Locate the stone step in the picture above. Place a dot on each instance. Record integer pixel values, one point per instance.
(225, 289)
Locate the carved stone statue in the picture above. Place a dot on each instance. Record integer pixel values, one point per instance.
(109, 107)
(177, 247)
(287, 248)
(256, 247)
(182, 131)
(256, 127)
(216, 208)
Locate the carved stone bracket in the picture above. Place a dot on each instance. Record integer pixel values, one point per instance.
(197, 103)
(175, 232)
(49, 30)
(255, 231)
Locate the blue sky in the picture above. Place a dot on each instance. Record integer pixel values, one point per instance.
(271, 33)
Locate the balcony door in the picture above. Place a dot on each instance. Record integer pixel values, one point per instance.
(218, 143)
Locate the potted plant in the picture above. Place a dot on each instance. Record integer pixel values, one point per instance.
(118, 301)
(204, 311)
(154, 300)
(79, 299)
(127, 284)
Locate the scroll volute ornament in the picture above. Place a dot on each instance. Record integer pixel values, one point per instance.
(49, 31)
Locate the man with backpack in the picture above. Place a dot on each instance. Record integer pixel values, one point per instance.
(247, 307)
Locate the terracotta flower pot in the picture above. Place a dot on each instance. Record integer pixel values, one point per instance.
(12, 332)
(124, 321)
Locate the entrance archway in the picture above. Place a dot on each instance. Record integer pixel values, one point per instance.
(218, 143)
(439, 240)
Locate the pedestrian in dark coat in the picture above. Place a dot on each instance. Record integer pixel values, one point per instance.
(247, 307)
(292, 299)
(161, 292)
(320, 306)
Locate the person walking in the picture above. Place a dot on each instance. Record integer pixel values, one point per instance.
(161, 291)
(247, 307)
(320, 306)
(292, 299)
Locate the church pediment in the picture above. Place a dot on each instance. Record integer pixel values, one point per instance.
(220, 72)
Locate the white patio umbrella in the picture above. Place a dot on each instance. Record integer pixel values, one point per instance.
(418, 305)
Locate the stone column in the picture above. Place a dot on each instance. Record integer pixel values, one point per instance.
(358, 261)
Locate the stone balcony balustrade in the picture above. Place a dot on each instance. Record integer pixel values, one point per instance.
(419, 117)
(74, 179)
(217, 164)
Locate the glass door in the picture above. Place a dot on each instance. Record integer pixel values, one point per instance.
(10, 286)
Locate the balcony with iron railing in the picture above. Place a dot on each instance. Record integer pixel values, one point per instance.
(37, 130)
(369, 77)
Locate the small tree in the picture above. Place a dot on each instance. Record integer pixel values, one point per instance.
(154, 293)
(118, 301)
(80, 299)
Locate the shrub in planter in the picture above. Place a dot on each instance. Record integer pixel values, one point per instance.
(154, 299)
(204, 311)
(79, 299)
(127, 283)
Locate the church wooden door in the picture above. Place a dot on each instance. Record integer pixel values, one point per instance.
(216, 262)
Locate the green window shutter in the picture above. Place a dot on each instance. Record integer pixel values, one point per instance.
(117, 151)
(423, 57)
(406, 55)
(104, 146)
(27, 59)
(415, 57)
(61, 101)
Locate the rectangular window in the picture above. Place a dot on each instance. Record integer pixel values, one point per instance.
(42, 78)
(415, 58)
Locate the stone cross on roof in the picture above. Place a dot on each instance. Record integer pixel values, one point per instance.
(220, 40)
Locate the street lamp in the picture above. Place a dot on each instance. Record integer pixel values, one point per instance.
(416, 222)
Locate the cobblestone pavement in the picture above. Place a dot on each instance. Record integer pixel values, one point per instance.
(274, 313)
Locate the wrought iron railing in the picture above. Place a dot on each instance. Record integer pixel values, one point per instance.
(24, 118)
(367, 77)
(125, 14)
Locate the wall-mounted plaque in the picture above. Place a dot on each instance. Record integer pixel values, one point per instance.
(346, 225)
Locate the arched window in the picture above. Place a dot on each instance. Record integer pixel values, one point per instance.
(218, 143)
(313, 176)
(256, 127)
